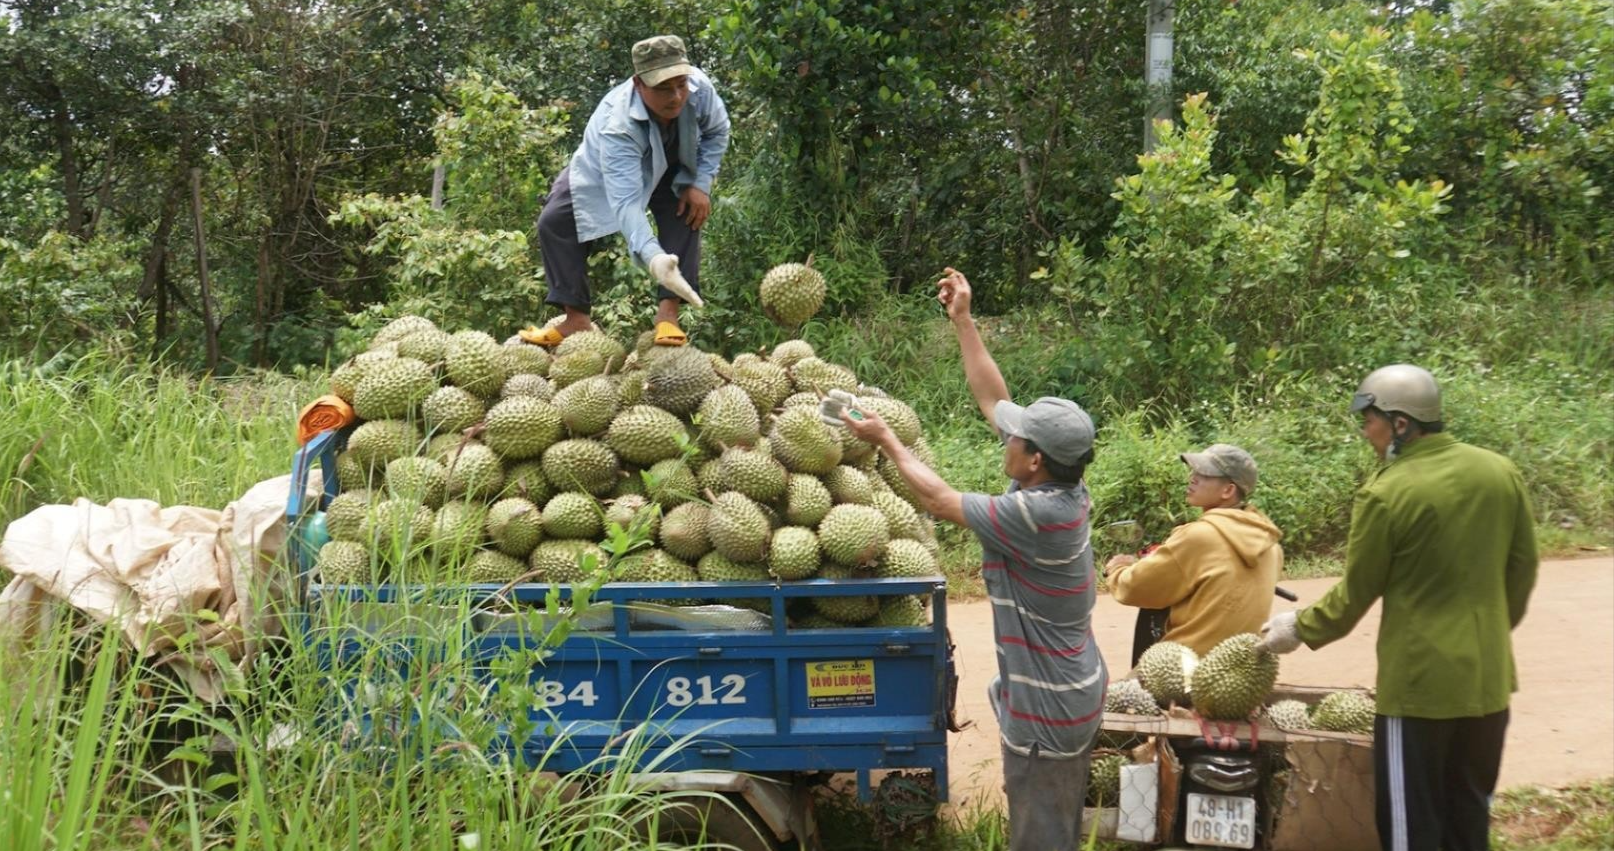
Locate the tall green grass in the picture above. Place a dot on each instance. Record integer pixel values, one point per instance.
(394, 746)
(100, 428)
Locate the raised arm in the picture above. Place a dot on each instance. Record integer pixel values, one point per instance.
(985, 379)
(936, 496)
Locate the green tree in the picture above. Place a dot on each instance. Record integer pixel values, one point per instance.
(468, 263)
(1204, 284)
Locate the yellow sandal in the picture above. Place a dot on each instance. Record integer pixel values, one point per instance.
(546, 337)
(669, 334)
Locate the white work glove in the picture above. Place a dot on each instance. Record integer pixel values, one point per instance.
(664, 268)
(1279, 635)
(835, 405)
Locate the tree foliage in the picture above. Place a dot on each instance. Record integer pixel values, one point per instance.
(463, 261)
(1203, 283)
(1351, 170)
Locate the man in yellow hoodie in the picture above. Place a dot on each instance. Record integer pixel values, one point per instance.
(1215, 574)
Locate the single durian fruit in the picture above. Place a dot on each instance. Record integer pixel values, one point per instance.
(679, 380)
(476, 362)
(450, 409)
(457, 531)
(400, 328)
(566, 560)
(419, 478)
(1344, 712)
(851, 610)
(373, 444)
(643, 434)
(1290, 715)
(588, 405)
(905, 558)
(581, 464)
(794, 553)
(806, 500)
(801, 441)
(1104, 780)
(1166, 670)
(1129, 697)
(572, 515)
(345, 515)
(853, 535)
(393, 389)
(346, 563)
(786, 354)
(739, 529)
(515, 526)
(1234, 679)
(634, 513)
(901, 610)
(494, 567)
(792, 293)
(522, 427)
(686, 531)
(728, 418)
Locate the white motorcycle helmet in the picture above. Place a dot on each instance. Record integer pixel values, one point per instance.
(1402, 388)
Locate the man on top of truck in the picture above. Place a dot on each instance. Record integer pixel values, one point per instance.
(1215, 574)
(1037, 564)
(656, 141)
(1444, 533)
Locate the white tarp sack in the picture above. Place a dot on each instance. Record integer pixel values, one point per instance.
(158, 573)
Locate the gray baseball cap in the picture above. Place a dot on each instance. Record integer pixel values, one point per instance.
(659, 58)
(1059, 427)
(1224, 461)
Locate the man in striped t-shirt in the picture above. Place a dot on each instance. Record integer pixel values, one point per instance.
(1038, 570)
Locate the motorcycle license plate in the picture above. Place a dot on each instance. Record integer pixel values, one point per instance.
(1225, 821)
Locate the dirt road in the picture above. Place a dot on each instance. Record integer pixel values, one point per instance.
(1562, 725)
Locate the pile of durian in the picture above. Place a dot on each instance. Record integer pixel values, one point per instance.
(481, 461)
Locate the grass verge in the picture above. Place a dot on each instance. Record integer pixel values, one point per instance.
(1579, 817)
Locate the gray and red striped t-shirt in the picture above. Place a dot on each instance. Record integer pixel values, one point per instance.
(1038, 569)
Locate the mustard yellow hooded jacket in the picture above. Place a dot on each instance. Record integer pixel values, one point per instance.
(1216, 574)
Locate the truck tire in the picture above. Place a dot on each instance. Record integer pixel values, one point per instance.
(715, 818)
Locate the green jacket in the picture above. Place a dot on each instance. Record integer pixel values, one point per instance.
(1445, 535)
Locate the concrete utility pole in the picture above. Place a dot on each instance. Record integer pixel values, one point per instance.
(1157, 68)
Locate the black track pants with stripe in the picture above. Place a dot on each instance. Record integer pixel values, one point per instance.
(1435, 779)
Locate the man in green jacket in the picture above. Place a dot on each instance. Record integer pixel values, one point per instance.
(1444, 534)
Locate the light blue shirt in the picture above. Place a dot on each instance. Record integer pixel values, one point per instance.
(621, 160)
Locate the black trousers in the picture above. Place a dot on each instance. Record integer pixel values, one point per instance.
(566, 259)
(1435, 779)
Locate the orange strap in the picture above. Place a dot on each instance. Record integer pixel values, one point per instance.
(323, 414)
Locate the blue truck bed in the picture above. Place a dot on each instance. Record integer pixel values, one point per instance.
(764, 699)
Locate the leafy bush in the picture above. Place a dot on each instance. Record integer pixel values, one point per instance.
(60, 292)
(1552, 418)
